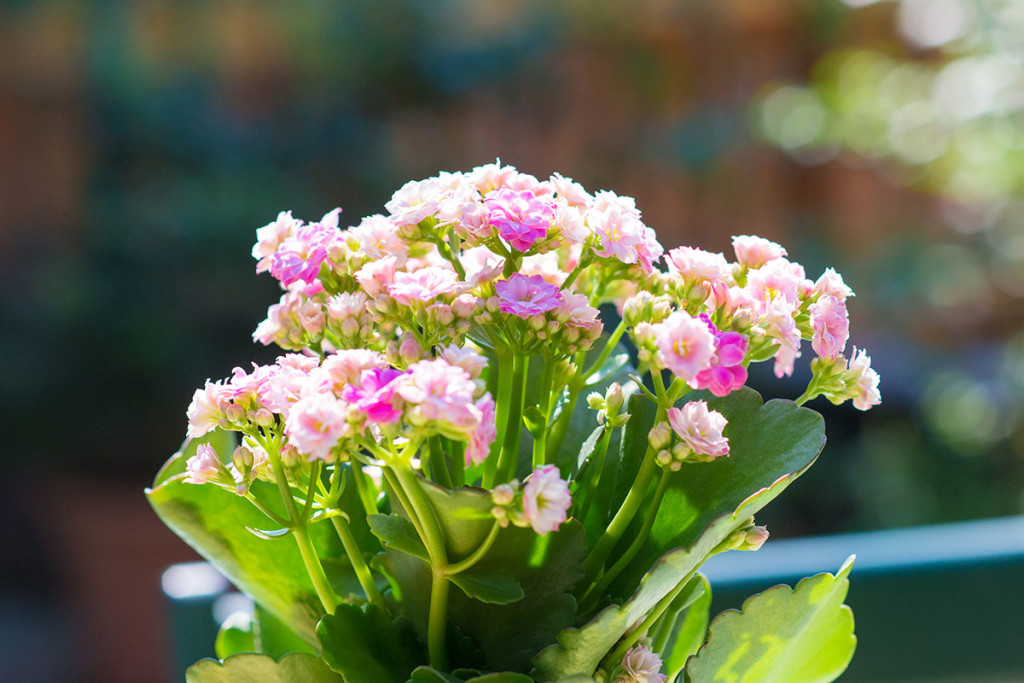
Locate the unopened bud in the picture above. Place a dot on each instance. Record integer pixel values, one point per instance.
(664, 458)
(243, 459)
(596, 401)
(493, 303)
(409, 350)
(614, 397)
(263, 417)
(537, 321)
(465, 305)
(503, 495)
(234, 413)
(660, 436)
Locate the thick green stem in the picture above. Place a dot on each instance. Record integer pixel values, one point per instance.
(359, 565)
(594, 593)
(509, 457)
(363, 484)
(594, 470)
(438, 463)
(503, 399)
(316, 571)
(544, 405)
(433, 539)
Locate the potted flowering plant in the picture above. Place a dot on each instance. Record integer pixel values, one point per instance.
(455, 474)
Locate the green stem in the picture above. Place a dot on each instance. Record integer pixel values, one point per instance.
(585, 259)
(464, 564)
(434, 541)
(509, 457)
(504, 398)
(438, 463)
(363, 484)
(458, 463)
(355, 556)
(315, 569)
(594, 593)
(403, 500)
(544, 405)
(624, 517)
(595, 469)
(276, 518)
(810, 393)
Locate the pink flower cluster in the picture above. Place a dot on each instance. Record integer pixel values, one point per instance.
(700, 432)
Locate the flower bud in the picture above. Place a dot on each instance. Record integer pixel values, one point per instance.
(596, 401)
(234, 413)
(664, 458)
(243, 459)
(503, 495)
(660, 436)
(263, 417)
(465, 305)
(409, 350)
(614, 397)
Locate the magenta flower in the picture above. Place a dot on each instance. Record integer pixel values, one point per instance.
(375, 395)
(685, 344)
(546, 499)
(525, 296)
(520, 217)
(727, 372)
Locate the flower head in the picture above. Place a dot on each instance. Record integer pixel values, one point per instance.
(640, 665)
(525, 296)
(862, 381)
(831, 325)
(520, 218)
(700, 429)
(423, 285)
(204, 466)
(754, 252)
(546, 499)
(685, 345)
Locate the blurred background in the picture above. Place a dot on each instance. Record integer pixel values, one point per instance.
(142, 143)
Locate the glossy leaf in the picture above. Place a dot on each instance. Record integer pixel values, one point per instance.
(424, 674)
(275, 638)
(490, 587)
(688, 633)
(236, 635)
(771, 446)
(398, 533)
(363, 644)
(213, 521)
(784, 635)
(293, 668)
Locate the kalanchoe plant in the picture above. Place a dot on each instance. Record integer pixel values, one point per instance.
(417, 491)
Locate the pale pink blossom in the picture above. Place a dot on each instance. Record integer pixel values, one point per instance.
(546, 499)
(378, 238)
(754, 252)
(863, 381)
(270, 237)
(299, 256)
(571, 224)
(466, 358)
(481, 265)
(282, 326)
(545, 265)
(685, 345)
(490, 177)
(310, 316)
(778, 323)
(831, 284)
(283, 385)
(204, 466)
(575, 310)
(376, 276)
(831, 325)
(414, 201)
(479, 445)
(423, 285)
(525, 296)
(616, 222)
(778, 278)
(442, 395)
(640, 665)
(346, 305)
(696, 266)
(520, 218)
(347, 366)
(700, 429)
(207, 408)
(316, 423)
(569, 191)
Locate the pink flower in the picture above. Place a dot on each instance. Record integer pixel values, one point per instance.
(414, 201)
(754, 252)
(831, 325)
(207, 408)
(299, 257)
(525, 296)
(378, 238)
(479, 445)
(270, 237)
(316, 423)
(640, 665)
(569, 191)
(727, 372)
(423, 285)
(347, 366)
(546, 499)
(617, 224)
(520, 218)
(377, 276)
(204, 466)
(284, 382)
(466, 358)
(778, 278)
(863, 381)
(375, 395)
(831, 283)
(778, 323)
(685, 344)
(441, 395)
(700, 429)
(696, 265)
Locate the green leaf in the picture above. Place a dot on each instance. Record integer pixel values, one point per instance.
(490, 587)
(362, 644)
(236, 635)
(783, 634)
(688, 633)
(213, 521)
(501, 677)
(293, 668)
(586, 450)
(398, 533)
(275, 638)
(424, 674)
(545, 567)
(770, 446)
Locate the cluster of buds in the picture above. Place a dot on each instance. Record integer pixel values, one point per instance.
(840, 380)
(692, 434)
(748, 536)
(542, 502)
(247, 465)
(609, 405)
